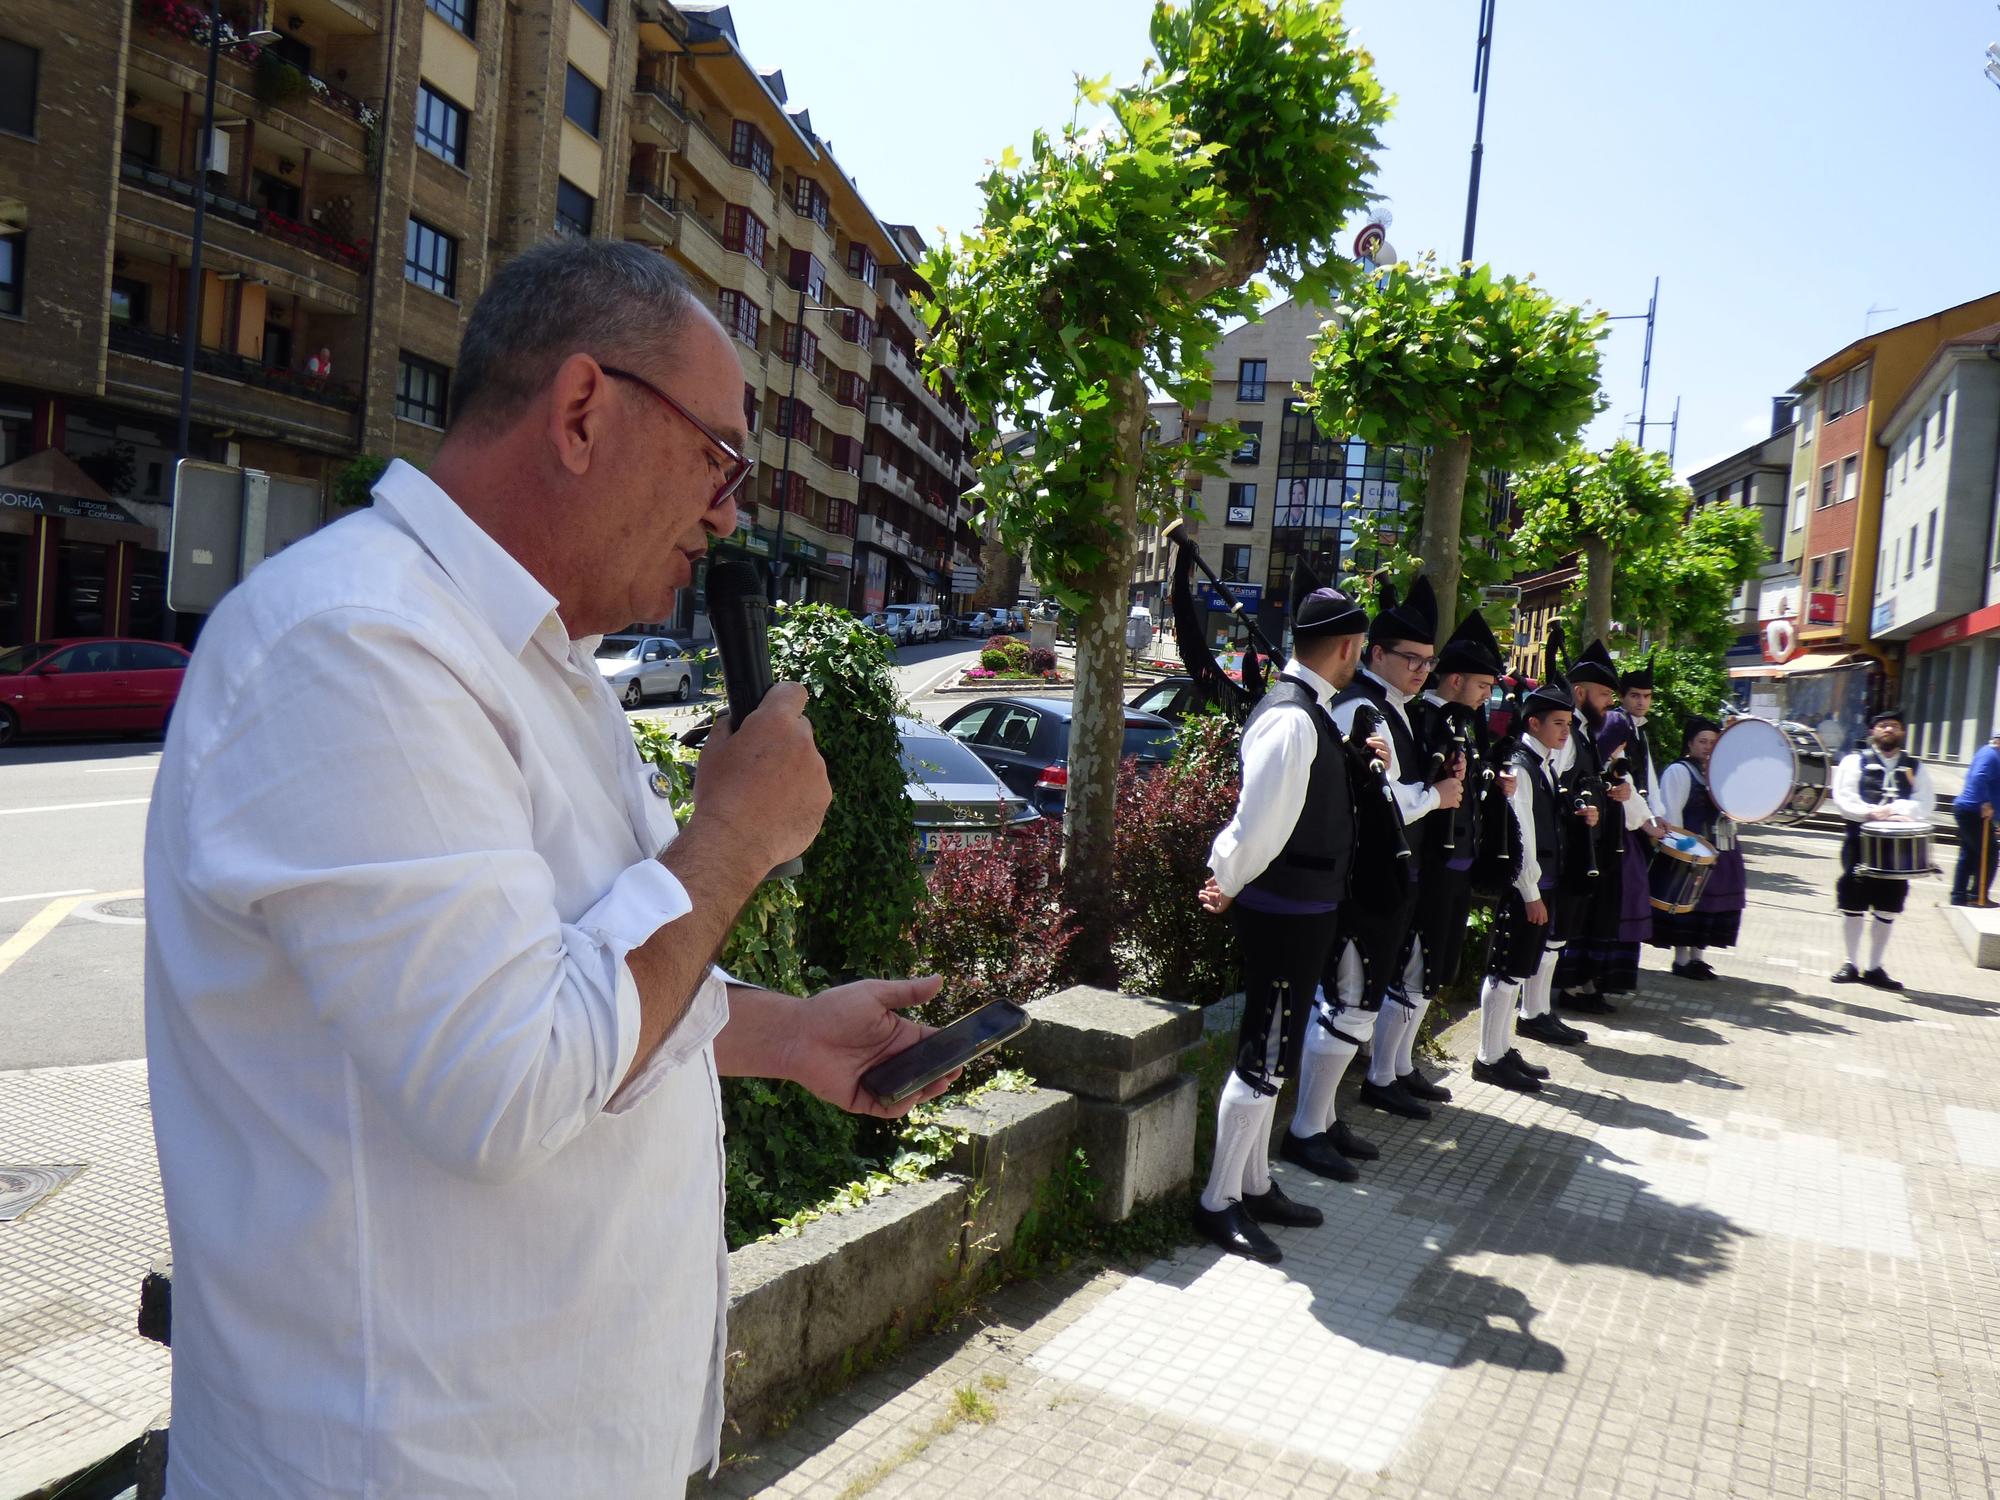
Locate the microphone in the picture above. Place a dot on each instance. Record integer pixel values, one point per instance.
(741, 619)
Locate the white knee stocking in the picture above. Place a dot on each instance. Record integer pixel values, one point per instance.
(1406, 1044)
(1683, 955)
(1257, 1165)
(1237, 1116)
(1496, 1017)
(1537, 992)
(1388, 1043)
(1326, 1059)
(1878, 938)
(1852, 925)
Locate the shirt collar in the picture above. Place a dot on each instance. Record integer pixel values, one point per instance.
(1322, 689)
(1396, 695)
(503, 593)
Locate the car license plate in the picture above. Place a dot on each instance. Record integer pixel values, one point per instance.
(946, 839)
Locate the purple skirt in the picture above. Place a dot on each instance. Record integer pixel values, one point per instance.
(1716, 918)
(1635, 897)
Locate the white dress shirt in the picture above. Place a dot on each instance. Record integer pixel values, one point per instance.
(1638, 806)
(1529, 882)
(1412, 799)
(1847, 789)
(1674, 785)
(1278, 752)
(424, 1243)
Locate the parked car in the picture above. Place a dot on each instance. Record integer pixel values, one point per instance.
(979, 623)
(99, 685)
(1171, 698)
(1026, 742)
(889, 623)
(922, 622)
(640, 666)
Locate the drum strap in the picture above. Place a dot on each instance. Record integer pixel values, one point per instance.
(1725, 826)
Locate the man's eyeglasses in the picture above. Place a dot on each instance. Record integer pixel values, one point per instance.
(1417, 663)
(737, 467)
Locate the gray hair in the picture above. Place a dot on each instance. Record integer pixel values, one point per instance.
(608, 298)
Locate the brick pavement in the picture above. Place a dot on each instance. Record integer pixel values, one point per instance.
(1744, 1246)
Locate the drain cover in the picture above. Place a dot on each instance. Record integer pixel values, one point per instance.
(135, 907)
(21, 1188)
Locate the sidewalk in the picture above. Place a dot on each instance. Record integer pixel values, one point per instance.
(1744, 1246)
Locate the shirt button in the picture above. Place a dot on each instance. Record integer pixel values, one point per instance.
(582, 693)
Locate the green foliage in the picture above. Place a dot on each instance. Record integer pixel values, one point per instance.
(1381, 555)
(1687, 680)
(355, 478)
(993, 660)
(1684, 588)
(1626, 497)
(860, 886)
(277, 81)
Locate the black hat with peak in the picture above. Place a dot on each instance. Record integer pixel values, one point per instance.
(1472, 649)
(1318, 610)
(1412, 619)
(1638, 677)
(1886, 713)
(1697, 724)
(1595, 666)
(1552, 692)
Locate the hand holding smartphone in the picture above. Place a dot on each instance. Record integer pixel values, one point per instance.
(923, 1063)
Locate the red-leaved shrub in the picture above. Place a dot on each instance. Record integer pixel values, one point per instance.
(992, 922)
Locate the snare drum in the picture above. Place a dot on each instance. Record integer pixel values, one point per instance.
(1761, 772)
(1893, 849)
(1682, 863)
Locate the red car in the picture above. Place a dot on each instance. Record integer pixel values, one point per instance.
(88, 686)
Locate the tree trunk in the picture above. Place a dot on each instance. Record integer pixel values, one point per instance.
(1597, 603)
(1097, 733)
(1444, 509)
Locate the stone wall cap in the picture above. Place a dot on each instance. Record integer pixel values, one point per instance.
(1104, 1027)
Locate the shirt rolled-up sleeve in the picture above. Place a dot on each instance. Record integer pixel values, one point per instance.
(372, 821)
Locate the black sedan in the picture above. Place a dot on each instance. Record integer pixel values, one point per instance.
(1171, 698)
(1026, 742)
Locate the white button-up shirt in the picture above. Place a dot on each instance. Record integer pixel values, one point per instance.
(1413, 800)
(424, 1243)
(1278, 753)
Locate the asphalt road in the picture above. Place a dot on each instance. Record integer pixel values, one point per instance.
(72, 836)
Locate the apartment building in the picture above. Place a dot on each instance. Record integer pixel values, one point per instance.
(367, 171)
(1757, 478)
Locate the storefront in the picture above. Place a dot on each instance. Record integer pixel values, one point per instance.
(73, 561)
(1949, 682)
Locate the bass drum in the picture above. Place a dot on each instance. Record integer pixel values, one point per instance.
(1761, 772)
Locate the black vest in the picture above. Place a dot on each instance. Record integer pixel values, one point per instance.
(1874, 772)
(1700, 813)
(1317, 859)
(1548, 815)
(1459, 825)
(1410, 762)
(1586, 774)
(1638, 753)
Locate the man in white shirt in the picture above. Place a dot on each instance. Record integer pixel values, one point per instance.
(432, 1021)
(1875, 784)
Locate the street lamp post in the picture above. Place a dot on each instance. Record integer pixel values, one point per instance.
(791, 422)
(1482, 66)
(191, 325)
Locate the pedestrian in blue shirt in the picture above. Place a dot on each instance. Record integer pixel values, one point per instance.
(1974, 809)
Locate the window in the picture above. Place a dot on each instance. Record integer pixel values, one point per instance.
(1808, 419)
(750, 148)
(280, 197)
(575, 209)
(809, 198)
(19, 66)
(790, 337)
(1888, 568)
(1857, 387)
(745, 233)
(459, 15)
(128, 302)
(854, 325)
(277, 347)
(1798, 507)
(13, 263)
(1252, 447)
(808, 275)
(1888, 479)
(1944, 405)
(1910, 555)
(1930, 538)
(861, 264)
(852, 391)
(1236, 563)
(440, 125)
(583, 102)
(1818, 573)
(598, 10)
(740, 315)
(1923, 433)
(430, 258)
(1907, 445)
(142, 142)
(1242, 504)
(1250, 379)
(795, 419)
(751, 413)
(1836, 397)
(1825, 487)
(1837, 574)
(1850, 477)
(422, 388)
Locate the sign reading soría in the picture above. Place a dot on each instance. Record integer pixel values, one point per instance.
(43, 503)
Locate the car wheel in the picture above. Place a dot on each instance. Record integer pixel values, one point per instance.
(10, 726)
(634, 696)
(685, 690)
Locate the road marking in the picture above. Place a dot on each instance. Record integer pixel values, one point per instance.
(6, 812)
(149, 768)
(39, 926)
(43, 896)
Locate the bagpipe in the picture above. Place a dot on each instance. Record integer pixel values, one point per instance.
(1212, 683)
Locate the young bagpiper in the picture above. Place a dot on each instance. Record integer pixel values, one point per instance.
(1281, 870)
(1684, 801)
(1597, 962)
(1874, 783)
(1527, 938)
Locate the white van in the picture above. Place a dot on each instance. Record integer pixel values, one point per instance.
(923, 621)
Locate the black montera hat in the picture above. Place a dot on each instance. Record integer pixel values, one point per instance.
(1552, 692)
(1472, 649)
(1595, 665)
(1638, 677)
(1411, 619)
(1695, 725)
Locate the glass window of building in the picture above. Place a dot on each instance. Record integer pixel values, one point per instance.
(440, 125)
(576, 210)
(430, 258)
(422, 390)
(583, 102)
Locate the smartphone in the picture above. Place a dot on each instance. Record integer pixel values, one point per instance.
(894, 1079)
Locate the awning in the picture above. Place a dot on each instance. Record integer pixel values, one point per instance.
(1811, 661)
(49, 483)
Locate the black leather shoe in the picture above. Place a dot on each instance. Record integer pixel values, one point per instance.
(1588, 1004)
(1419, 1087)
(1350, 1145)
(1548, 1029)
(1685, 971)
(1234, 1231)
(1503, 1077)
(1573, 1036)
(1878, 979)
(1847, 974)
(1700, 968)
(1520, 1064)
(1395, 1099)
(1274, 1207)
(1317, 1155)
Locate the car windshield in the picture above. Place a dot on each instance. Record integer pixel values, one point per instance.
(940, 760)
(1149, 741)
(617, 647)
(18, 659)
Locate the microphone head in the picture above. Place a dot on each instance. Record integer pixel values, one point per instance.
(729, 583)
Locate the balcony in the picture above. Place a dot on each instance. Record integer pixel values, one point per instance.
(707, 157)
(701, 244)
(657, 117)
(144, 369)
(873, 531)
(896, 303)
(890, 357)
(651, 217)
(885, 475)
(890, 419)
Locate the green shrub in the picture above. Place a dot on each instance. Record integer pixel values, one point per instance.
(993, 660)
(1017, 654)
(277, 81)
(353, 481)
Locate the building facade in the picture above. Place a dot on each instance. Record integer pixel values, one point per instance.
(367, 172)
(1757, 478)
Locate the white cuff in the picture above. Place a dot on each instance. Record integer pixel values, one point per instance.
(705, 1017)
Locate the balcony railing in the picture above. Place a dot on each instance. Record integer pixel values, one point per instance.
(188, 22)
(249, 216)
(165, 349)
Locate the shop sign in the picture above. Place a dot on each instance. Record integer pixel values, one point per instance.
(42, 503)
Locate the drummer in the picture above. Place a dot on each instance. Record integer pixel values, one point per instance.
(1875, 783)
(1684, 800)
